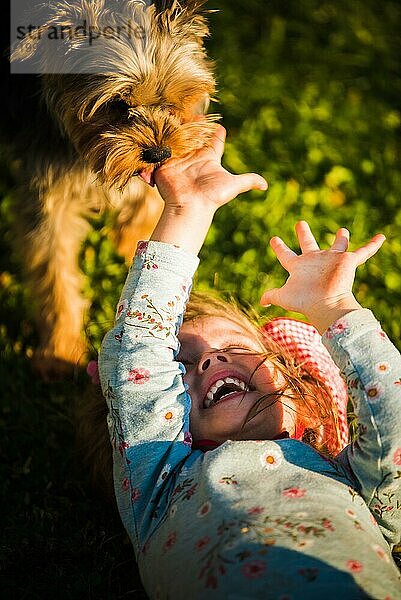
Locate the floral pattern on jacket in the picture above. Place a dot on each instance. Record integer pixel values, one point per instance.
(250, 519)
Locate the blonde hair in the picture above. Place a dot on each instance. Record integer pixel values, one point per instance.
(312, 398)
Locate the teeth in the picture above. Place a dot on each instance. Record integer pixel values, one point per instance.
(218, 384)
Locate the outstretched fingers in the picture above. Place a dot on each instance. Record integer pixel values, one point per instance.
(249, 181)
(305, 237)
(284, 254)
(369, 249)
(270, 297)
(218, 140)
(341, 241)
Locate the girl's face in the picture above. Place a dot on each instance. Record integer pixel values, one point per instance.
(225, 385)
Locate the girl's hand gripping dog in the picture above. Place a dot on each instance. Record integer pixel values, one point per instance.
(320, 281)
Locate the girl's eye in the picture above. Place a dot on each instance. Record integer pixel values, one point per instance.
(232, 349)
(239, 348)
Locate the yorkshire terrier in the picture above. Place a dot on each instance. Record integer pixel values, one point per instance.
(127, 88)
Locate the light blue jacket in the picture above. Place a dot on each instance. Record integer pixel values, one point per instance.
(250, 519)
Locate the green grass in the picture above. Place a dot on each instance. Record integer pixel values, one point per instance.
(310, 95)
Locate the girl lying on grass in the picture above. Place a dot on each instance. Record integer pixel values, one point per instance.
(219, 495)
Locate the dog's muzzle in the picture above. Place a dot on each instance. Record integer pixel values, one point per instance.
(156, 155)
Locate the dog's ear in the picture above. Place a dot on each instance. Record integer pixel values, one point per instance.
(57, 22)
(28, 46)
(182, 17)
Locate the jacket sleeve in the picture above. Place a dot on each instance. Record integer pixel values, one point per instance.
(371, 366)
(148, 405)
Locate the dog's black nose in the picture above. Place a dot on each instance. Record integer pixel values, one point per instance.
(156, 155)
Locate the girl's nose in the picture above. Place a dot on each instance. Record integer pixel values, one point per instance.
(206, 361)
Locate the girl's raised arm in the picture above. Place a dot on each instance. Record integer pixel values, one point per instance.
(371, 367)
(141, 380)
(320, 286)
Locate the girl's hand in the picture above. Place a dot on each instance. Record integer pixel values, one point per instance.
(320, 281)
(193, 188)
(198, 179)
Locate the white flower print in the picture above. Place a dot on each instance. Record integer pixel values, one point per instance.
(383, 368)
(381, 553)
(374, 391)
(304, 544)
(169, 416)
(271, 459)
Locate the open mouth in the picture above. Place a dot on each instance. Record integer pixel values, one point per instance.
(225, 388)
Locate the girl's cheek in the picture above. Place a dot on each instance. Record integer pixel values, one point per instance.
(266, 374)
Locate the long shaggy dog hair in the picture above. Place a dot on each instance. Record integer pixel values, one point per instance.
(89, 131)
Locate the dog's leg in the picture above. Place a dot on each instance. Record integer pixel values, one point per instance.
(54, 227)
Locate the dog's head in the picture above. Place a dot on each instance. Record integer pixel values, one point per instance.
(129, 82)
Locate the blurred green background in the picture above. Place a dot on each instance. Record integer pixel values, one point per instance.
(310, 92)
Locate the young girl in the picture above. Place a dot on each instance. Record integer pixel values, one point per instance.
(259, 514)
